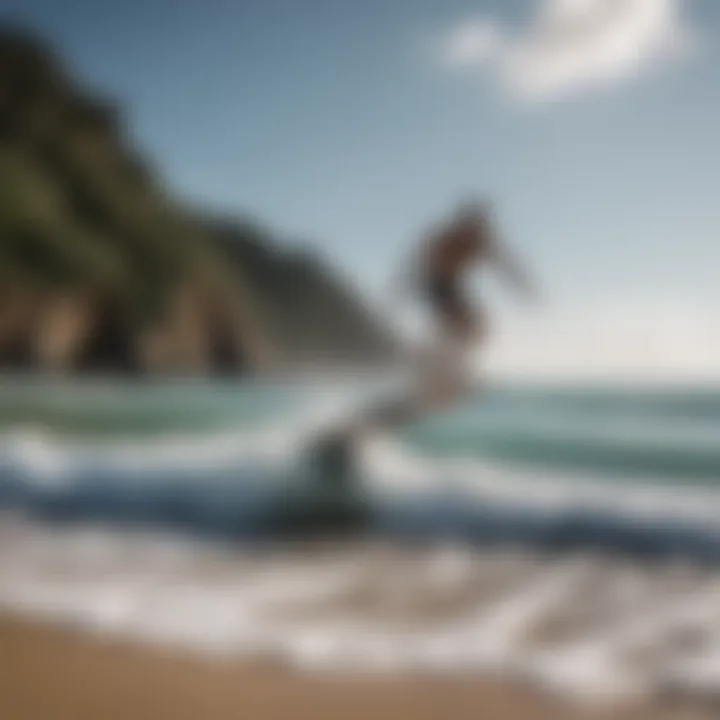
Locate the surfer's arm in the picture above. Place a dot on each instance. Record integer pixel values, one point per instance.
(506, 262)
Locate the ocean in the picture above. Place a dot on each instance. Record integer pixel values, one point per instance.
(569, 535)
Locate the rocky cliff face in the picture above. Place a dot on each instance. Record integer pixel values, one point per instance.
(101, 270)
(311, 314)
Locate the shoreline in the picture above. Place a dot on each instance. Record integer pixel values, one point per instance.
(49, 671)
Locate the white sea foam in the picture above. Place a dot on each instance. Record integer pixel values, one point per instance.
(387, 467)
(379, 608)
(589, 627)
(393, 468)
(42, 455)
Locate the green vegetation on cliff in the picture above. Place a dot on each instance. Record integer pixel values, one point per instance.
(102, 270)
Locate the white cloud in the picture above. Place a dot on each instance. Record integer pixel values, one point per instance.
(574, 45)
(474, 42)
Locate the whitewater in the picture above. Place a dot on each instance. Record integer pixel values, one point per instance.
(567, 537)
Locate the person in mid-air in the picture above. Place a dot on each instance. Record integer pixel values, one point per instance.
(436, 275)
(447, 255)
(470, 240)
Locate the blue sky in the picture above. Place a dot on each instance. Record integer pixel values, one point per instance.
(351, 124)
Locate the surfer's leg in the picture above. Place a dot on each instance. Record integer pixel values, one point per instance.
(440, 378)
(447, 373)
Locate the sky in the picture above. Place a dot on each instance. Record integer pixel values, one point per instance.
(350, 125)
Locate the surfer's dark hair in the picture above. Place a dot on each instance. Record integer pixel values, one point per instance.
(475, 209)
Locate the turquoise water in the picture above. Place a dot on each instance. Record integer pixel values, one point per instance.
(661, 435)
(111, 409)
(537, 462)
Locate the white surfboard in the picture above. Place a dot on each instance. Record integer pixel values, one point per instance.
(438, 377)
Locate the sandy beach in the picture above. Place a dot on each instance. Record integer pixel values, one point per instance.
(47, 672)
(103, 624)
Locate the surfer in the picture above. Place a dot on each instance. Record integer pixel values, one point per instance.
(436, 275)
(469, 240)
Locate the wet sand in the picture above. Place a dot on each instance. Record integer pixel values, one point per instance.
(47, 672)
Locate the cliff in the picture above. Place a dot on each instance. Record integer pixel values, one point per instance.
(102, 270)
(310, 313)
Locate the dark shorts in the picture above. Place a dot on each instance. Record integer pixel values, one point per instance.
(446, 299)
